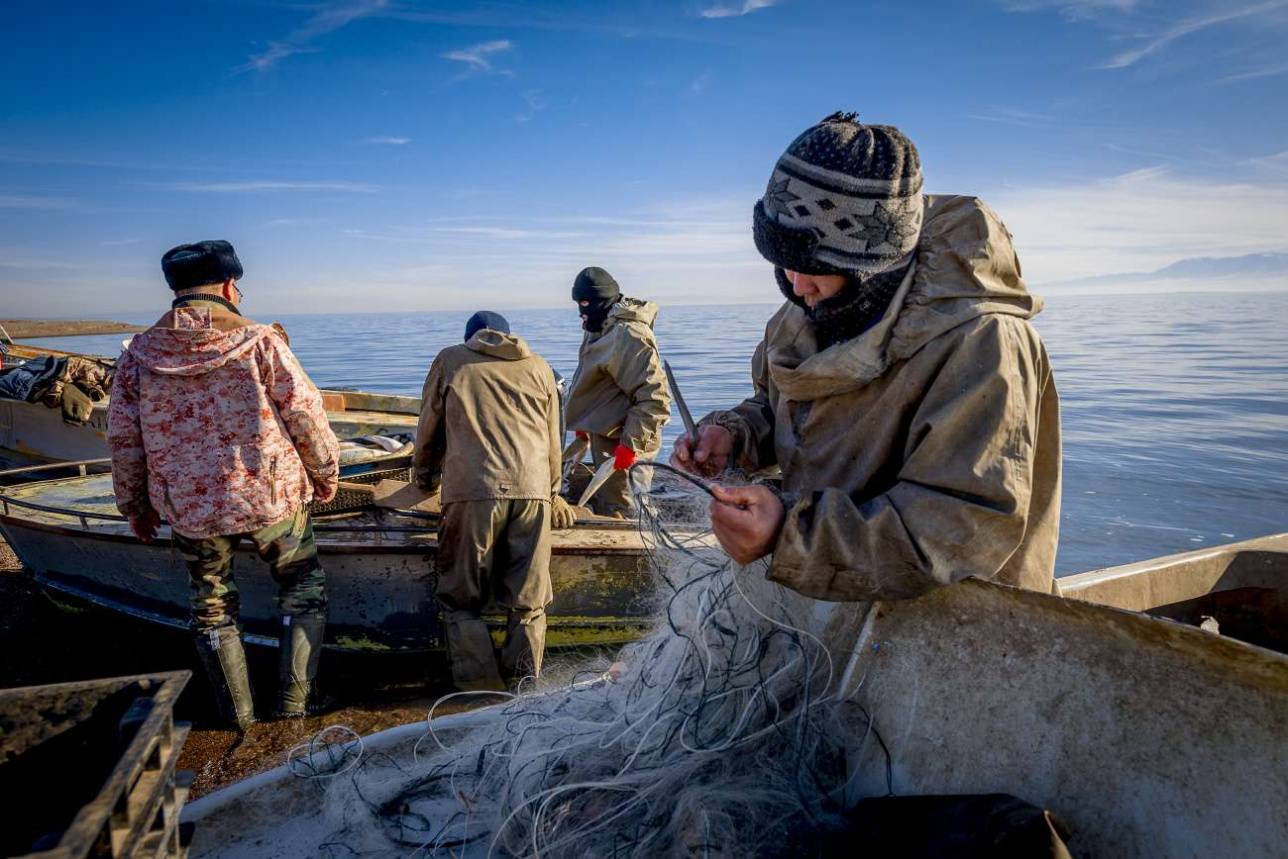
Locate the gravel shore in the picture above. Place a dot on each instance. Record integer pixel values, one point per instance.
(48, 641)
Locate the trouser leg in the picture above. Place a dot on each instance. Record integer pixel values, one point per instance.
(615, 498)
(292, 556)
(523, 588)
(215, 611)
(466, 548)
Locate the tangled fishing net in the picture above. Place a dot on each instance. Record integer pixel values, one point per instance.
(724, 732)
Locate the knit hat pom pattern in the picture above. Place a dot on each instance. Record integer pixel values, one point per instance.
(845, 198)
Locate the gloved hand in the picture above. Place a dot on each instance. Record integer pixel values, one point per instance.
(623, 457)
(562, 514)
(145, 525)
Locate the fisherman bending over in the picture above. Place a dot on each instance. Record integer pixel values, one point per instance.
(619, 401)
(489, 434)
(214, 425)
(901, 389)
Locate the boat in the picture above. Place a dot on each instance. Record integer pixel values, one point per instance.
(39, 434)
(379, 562)
(1148, 735)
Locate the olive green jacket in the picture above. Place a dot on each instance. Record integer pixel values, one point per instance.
(489, 422)
(924, 451)
(619, 389)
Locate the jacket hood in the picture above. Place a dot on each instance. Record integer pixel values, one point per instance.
(498, 345)
(194, 340)
(632, 310)
(965, 268)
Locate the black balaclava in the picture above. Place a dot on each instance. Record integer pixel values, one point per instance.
(596, 286)
(853, 310)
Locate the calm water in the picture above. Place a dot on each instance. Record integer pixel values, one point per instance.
(1175, 407)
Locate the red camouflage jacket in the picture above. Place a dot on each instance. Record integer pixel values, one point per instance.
(214, 424)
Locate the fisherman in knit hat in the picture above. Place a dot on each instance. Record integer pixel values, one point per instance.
(901, 389)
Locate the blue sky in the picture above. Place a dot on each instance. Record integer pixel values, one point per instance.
(403, 155)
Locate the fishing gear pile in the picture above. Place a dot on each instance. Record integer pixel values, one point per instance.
(729, 730)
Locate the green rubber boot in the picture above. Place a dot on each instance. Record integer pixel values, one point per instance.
(297, 665)
(224, 659)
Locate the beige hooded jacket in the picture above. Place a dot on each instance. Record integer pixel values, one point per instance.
(489, 422)
(619, 383)
(924, 451)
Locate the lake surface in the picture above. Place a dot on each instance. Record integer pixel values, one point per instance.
(1175, 407)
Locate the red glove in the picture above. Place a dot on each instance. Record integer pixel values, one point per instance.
(582, 435)
(623, 457)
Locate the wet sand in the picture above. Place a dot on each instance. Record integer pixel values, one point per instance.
(20, 328)
(47, 641)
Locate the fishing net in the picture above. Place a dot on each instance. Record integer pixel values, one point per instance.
(729, 730)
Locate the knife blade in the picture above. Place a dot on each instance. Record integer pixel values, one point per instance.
(601, 476)
(689, 426)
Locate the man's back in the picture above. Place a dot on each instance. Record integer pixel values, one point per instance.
(491, 421)
(216, 426)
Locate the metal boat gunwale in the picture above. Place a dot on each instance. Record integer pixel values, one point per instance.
(323, 523)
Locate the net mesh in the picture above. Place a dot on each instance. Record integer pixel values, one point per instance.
(723, 732)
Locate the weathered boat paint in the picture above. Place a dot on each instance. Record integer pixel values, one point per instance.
(1151, 738)
(380, 571)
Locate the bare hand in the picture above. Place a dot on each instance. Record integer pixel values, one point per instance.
(145, 525)
(715, 446)
(746, 521)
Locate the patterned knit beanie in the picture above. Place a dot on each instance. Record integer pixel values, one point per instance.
(845, 198)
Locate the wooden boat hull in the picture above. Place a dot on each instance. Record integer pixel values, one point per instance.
(1151, 738)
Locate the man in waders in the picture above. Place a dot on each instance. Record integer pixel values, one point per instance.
(901, 388)
(618, 401)
(215, 427)
(488, 439)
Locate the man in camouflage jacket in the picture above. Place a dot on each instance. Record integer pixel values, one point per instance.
(214, 426)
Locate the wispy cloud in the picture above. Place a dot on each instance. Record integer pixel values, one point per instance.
(1278, 162)
(254, 186)
(1194, 24)
(736, 11)
(1017, 117)
(21, 263)
(1266, 72)
(1140, 221)
(388, 141)
(1074, 10)
(479, 57)
(534, 102)
(323, 22)
(19, 201)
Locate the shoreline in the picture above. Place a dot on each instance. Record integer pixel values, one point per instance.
(21, 329)
(61, 642)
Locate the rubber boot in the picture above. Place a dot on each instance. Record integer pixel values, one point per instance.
(469, 648)
(297, 666)
(224, 659)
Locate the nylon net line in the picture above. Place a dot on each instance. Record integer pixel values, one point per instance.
(723, 732)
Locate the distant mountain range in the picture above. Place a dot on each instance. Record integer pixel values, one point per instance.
(1266, 265)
